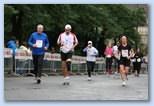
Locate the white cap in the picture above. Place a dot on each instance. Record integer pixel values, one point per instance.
(68, 26)
(90, 42)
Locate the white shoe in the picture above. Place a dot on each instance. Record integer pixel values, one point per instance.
(66, 78)
(89, 79)
(123, 83)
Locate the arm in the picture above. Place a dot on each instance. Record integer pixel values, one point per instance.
(59, 39)
(76, 42)
(30, 43)
(85, 49)
(96, 51)
(46, 42)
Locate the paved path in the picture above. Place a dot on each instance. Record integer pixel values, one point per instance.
(101, 88)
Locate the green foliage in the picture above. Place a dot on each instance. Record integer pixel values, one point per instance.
(89, 21)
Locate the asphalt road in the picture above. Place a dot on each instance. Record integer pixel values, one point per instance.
(102, 87)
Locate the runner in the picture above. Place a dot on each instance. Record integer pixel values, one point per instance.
(67, 41)
(39, 43)
(125, 55)
(92, 52)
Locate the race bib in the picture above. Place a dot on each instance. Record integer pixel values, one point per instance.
(124, 53)
(39, 43)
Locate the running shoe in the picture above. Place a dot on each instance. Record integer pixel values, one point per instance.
(89, 79)
(123, 83)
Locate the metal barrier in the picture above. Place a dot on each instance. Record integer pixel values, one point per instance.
(52, 63)
(8, 60)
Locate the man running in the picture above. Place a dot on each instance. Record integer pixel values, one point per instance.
(67, 42)
(92, 52)
(125, 55)
(39, 43)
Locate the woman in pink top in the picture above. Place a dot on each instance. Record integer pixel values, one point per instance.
(108, 54)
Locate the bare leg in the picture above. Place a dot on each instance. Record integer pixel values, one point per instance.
(64, 68)
(126, 72)
(122, 72)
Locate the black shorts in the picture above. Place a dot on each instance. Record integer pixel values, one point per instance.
(65, 56)
(124, 61)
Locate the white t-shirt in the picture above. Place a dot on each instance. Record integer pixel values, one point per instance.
(67, 41)
(91, 53)
(115, 50)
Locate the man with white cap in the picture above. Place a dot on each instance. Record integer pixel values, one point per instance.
(92, 52)
(67, 41)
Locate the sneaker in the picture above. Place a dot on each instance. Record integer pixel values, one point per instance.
(123, 83)
(89, 79)
(66, 80)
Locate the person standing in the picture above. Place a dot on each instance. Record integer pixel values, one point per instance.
(67, 42)
(138, 57)
(39, 43)
(92, 52)
(12, 45)
(108, 54)
(115, 58)
(125, 55)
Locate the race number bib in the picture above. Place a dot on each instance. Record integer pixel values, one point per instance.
(39, 43)
(124, 53)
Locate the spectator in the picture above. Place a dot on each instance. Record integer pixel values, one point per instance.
(21, 64)
(138, 61)
(108, 54)
(12, 45)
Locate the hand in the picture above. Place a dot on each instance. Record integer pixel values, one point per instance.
(45, 48)
(72, 48)
(34, 45)
(128, 57)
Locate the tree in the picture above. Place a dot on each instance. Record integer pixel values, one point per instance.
(89, 21)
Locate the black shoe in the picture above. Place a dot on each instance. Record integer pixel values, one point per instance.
(66, 83)
(38, 81)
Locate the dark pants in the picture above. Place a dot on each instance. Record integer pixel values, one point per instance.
(38, 64)
(14, 65)
(137, 66)
(108, 64)
(90, 67)
(116, 64)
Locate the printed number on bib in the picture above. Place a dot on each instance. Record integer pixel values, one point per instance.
(124, 53)
(39, 43)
